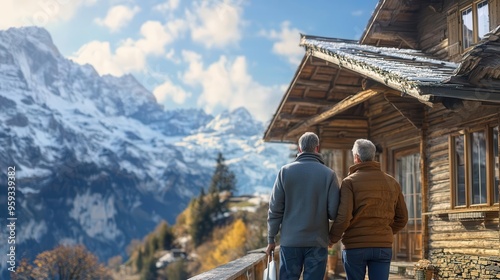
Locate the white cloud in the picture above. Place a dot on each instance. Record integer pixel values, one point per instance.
(126, 58)
(216, 24)
(357, 13)
(227, 84)
(130, 55)
(154, 38)
(286, 43)
(167, 6)
(172, 56)
(39, 13)
(168, 90)
(118, 17)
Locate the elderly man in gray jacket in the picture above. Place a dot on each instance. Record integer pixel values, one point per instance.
(305, 196)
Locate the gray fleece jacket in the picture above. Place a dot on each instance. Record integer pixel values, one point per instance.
(304, 196)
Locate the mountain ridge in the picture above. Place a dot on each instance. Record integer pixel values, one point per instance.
(99, 161)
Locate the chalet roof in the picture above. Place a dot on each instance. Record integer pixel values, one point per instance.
(392, 23)
(480, 66)
(336, 77)
(405, 70)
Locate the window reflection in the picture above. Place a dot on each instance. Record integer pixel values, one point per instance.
(339, 161)
(475, 23)
(459, 171)
(467, 27)
(495, 165)
(408, 170)
(478, 148)
(483, 20)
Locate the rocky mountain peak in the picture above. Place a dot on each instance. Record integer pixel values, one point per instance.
(98, 161)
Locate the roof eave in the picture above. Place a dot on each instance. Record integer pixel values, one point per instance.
(400, 84)
(461, 92)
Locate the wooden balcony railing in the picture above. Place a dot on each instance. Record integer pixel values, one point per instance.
(249, 267)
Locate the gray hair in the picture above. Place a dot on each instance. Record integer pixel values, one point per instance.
(308, 142)
(365, 150)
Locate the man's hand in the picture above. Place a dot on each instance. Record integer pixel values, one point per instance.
(270, 248)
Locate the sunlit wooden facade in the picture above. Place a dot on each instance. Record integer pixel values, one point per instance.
(422, 84)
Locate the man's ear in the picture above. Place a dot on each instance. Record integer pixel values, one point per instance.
(357, 159)
(316, 149)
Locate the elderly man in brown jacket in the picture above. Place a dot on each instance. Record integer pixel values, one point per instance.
(372, 209)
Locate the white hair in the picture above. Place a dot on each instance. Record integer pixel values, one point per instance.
(365, 150)
(308, 142)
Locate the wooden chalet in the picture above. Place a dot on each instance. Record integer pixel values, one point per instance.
(422, 84)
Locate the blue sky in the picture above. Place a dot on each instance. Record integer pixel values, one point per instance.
(209, 54)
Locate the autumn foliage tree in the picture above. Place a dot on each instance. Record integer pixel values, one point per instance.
(229, 247)
(205, 210)
(62, 263)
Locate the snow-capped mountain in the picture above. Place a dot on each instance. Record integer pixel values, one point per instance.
(97, 160)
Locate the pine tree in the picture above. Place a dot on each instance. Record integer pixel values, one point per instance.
(139, 261)
(223, 179)
(165, 236)
(197, 228)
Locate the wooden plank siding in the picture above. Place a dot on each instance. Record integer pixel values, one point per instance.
(463, 237)
(388, 127)
(439, 28)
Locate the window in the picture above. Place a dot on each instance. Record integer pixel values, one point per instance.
(475, 23)
(408, 174)
(474, 167)
(339, 161)
(408, 242)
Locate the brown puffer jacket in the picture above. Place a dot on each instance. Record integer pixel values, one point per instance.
(372, 208)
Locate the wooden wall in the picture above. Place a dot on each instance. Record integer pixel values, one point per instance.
(389, 129)
(439, 30)
(445, 235)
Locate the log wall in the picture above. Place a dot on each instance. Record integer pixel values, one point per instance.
(439, 27)
(460, 249)
(389, 129)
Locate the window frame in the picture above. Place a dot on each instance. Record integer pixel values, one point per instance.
(475, 22)
(490, 167)
(404, 153)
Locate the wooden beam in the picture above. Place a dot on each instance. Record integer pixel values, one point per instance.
(411, 109)
(311, 83)
(333, 110)
(406, 37)
(311, 102)
(461, 92)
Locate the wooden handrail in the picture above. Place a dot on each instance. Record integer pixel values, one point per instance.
(249, 267)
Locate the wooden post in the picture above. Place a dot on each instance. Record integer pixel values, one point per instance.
(425, 189)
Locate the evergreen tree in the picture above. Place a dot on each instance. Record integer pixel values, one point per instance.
(197, 228)
(139, 261)
(223, 179)
(149, 271)
(165, 236)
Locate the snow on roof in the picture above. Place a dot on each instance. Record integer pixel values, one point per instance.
(406, 67)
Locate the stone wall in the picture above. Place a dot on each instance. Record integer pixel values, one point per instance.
(459, 266)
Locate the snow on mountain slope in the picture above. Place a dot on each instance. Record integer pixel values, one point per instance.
(98, 161)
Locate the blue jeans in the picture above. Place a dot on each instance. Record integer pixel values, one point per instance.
(378, 261)
(294, 259)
